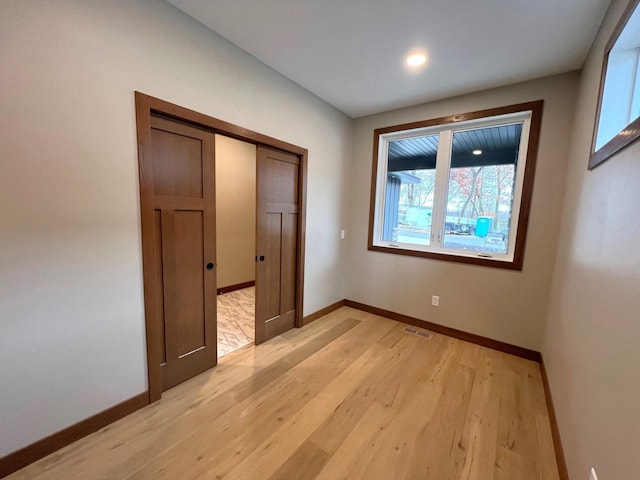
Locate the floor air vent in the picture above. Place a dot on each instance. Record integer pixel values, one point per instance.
(415, 331)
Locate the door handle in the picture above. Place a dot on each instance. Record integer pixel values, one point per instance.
(210, 265)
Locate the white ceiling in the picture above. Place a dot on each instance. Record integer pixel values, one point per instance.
(351, 52)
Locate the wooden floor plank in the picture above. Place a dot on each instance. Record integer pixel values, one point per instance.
(138, 434)
(216, 445)
(274, 451)
(441, 435)
(390, 385)
(306, 462)
(228, 407)
(350, 396)
(517, 432)
(477, 446)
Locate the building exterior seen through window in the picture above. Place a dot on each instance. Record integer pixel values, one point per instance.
(452, 188)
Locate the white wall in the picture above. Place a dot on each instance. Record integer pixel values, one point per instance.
(500, 304)
(72, 328)
(592, 343)
(235, 211)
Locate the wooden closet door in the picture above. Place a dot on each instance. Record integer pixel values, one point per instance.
(182, 167)
(277, 228)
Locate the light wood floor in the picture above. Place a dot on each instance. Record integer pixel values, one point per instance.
(349, 396)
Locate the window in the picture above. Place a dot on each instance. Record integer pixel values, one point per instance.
(456, 188)
(618, 122)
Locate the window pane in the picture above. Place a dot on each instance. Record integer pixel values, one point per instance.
(620, 105)
(480, 189)
(617, 99)
(409, 190)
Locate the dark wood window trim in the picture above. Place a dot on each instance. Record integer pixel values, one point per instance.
(536, 108)
(631, 132)
(145, 107)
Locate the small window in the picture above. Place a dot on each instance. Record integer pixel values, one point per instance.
(618, 123)
(456, 188)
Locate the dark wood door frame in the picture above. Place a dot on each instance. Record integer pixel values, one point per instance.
(145, 107)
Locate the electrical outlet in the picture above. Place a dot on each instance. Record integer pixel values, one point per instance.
(342, 234)
(435, 301)
(593, 475)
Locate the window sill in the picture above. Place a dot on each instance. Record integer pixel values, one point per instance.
(515, 264)
(626, 137)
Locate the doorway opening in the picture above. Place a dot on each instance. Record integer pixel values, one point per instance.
(235, 164)
(236, 320)
(177, 160)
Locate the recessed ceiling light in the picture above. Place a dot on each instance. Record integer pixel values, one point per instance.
(477, 152)
(416, 59)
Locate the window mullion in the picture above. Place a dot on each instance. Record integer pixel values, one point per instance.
(439, 211)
